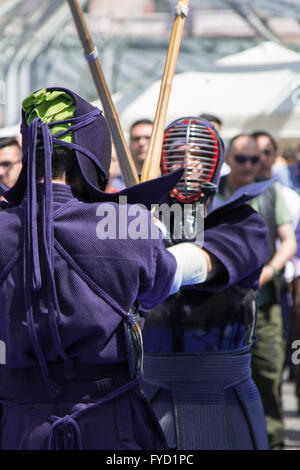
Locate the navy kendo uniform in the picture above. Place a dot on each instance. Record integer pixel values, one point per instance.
(72, 374)
(197, 342)
(3, 188)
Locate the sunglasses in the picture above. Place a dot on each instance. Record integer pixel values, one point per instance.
(242, 159)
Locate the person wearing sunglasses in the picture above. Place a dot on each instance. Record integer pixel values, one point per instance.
(243, 157)
(247, 166)
(10, 161)
(269, 153)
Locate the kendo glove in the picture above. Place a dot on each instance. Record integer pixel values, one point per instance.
(191, 265)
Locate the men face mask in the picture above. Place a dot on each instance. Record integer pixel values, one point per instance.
(192, 144)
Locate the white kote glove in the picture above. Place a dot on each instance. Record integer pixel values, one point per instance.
(191, 265)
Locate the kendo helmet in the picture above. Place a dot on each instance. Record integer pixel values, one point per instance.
(193, 144)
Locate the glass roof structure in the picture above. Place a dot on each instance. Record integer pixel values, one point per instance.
(39, 45)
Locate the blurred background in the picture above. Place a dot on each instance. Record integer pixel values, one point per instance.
(239, 59)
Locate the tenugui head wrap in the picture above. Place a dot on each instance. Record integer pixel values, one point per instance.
(90, 136)
(193, 144)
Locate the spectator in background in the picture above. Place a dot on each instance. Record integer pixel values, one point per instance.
(139, 138)
(10, 161)
(140, 133)
(216, 121)
(289, 177)
(289, 174)
(115, 182)
(269, 152)
(268, 352)
(289, 156)
(268, 149)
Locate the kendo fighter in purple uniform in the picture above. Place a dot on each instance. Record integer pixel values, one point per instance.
(197, 362)
(71, 378)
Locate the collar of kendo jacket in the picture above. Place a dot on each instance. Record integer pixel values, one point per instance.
(3, 188)
(241, 196)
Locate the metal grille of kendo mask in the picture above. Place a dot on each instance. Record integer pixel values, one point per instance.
(190, 143)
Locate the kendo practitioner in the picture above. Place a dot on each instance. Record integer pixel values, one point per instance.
(197, 362)
(72, 372)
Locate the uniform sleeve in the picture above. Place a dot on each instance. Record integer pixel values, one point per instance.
(240, 242)
(3, 205)
(158, 279)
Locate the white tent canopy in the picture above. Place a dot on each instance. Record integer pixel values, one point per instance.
(10, 131)
(266, 53)
(256, 89)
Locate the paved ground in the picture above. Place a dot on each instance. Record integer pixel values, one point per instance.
(292, 417)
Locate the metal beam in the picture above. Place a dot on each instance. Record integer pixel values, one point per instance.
(9, 5)
(18, 74)
(254, 20)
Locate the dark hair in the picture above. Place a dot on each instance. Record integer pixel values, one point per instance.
(140, 121)
(8, 141)
(243, 134)
(211, 117)
(64, 164)
(257, 134)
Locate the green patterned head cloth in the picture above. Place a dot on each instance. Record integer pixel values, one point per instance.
(51, 106)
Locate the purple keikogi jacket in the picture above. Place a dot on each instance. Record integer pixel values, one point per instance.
(97, 282)
(3, 188)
